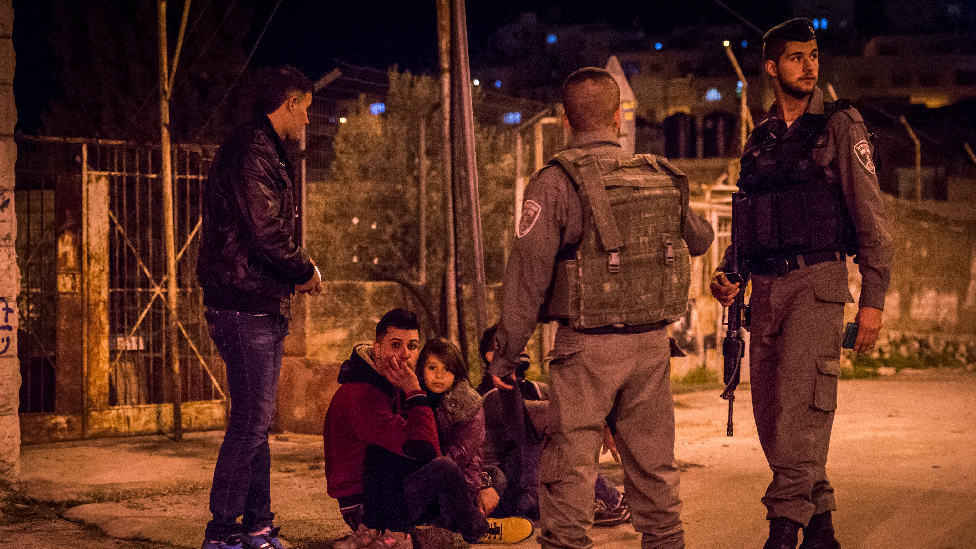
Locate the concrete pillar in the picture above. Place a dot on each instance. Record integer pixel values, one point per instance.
(9, 272)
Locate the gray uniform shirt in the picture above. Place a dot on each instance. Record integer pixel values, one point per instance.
(551, 225)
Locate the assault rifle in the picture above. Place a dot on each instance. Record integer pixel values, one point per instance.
(733, 347)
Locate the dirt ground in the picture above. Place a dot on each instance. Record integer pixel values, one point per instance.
(901, 462)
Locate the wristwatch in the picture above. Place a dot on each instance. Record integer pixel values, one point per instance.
(485, 480)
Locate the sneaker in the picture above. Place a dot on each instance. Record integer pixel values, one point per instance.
(233, 542)
(359, 539)
(603, 517)
(391, 540)
(507, 530)
(267, 540)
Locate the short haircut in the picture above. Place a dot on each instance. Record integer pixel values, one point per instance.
(487, 343)
(399, 318)
(591, 98)
(794, 30)
(448, 353)
(278, 84)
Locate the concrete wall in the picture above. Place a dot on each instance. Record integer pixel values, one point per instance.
(9, 273)
(932, 298)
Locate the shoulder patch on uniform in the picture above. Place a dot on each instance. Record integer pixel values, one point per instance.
(862, 150)
(530, 214)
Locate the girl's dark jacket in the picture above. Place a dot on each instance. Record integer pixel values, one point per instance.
(461, 430)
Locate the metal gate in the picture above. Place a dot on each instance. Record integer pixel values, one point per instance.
(94, 285)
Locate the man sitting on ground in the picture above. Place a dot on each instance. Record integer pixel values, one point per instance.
(382, 455)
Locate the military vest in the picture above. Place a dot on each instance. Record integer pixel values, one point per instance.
(791, 205)
(631, 266)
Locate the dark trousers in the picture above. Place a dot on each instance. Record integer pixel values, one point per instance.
(251, 346)
(399, 492)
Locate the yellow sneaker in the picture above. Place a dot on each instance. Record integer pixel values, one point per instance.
(507, 530)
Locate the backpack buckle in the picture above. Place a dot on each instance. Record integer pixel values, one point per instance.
(613, 262)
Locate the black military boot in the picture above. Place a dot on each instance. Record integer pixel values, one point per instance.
(819, 534)
(783, 534)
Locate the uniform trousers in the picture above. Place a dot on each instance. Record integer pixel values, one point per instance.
(794, 363)
(590, 375)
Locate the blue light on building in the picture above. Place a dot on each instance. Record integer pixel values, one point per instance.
(377, 108)
(498, 83)
(816, 24)
(745, 44)
(713, 95)
(658, 46)
(551, 39)
(823, 24)
(512, 118)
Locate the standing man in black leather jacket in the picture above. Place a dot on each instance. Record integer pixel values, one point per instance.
(250, 264)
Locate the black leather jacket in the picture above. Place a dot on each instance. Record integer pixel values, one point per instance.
(250, 258)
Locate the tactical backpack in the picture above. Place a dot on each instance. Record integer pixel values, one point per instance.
(632, 266)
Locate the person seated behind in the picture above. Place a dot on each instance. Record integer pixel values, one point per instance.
(518, 453)
(382, 454)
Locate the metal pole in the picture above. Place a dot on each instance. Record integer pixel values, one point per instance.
(422, 199)
(450, 258)
(466, 166)
(745, 117)
(918, 158)
(172, 301)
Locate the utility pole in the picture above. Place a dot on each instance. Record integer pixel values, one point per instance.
(172, 301)
(465, 170)
(449, 289)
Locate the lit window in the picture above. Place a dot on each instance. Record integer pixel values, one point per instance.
(745, 44)
(342, 120)
(512, 118)
(816, 23)
(476, 82)
(726, 43)
(713, 95)
(823, 24)
(658, 46)
(355, 221)
(377, 108)
(551, 39)
(498, 83)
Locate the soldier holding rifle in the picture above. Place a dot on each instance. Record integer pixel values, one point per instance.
(810, 198)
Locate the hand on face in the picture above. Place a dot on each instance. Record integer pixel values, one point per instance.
(395, 357)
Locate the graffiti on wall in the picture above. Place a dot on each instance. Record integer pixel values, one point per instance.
(6, 328)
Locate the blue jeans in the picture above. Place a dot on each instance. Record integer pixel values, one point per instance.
(251, 345)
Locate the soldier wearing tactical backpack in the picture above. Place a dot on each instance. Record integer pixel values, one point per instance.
(810, 198)
(602, 246)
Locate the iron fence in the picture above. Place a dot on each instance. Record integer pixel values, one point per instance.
(49, 173)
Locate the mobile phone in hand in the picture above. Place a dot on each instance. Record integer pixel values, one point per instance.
(850, 335)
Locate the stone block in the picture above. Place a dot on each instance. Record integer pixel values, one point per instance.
(8, 110)
(10, 450)
(8, 160)
(8, 61)
(9, 273)
(8, 219)
(6, 19)
(9, 384)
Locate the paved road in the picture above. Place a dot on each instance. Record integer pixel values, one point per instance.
(902, 463)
